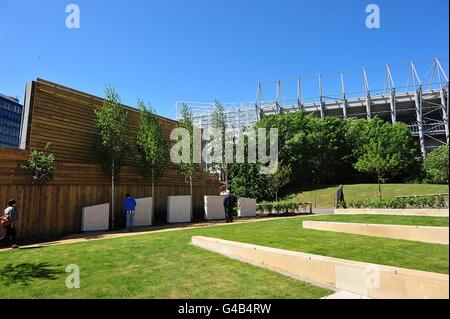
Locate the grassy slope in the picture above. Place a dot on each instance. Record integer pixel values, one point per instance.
(160, 265)
(325, 197)
(289, 234)
(165, 265)
(386, 219)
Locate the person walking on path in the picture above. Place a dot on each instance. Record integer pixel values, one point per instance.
(129, 206)
(340, 201)
(8, 221)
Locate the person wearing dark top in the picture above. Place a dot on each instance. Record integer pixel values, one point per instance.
(229, 202)
(340, 197)
(10, 218)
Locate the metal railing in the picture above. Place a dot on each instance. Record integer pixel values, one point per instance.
(423, 195)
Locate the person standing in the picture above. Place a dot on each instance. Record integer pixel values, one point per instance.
(340, 201)
(129, 206)
(229, 202)
(9, 220)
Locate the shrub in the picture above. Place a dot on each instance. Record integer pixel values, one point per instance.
(436, 165)
(401, 203)
(284, 206)
(40, 165)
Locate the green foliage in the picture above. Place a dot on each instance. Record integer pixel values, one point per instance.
(280, 178)
(327, 151)
(400, 203)
(436, 165)
(151, 144)
(218, 124)
(382, 149)
(112, 128)
(189, 168)
(40, 165)
(316, 149)
(284, 206)
(245, 180)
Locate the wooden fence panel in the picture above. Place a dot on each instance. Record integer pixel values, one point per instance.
(65, 117)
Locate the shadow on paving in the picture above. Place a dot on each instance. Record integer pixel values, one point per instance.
(24, 273)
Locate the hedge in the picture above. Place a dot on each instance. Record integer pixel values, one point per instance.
(283, 206)
(400, 203)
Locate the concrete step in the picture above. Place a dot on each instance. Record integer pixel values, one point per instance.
(343, 294)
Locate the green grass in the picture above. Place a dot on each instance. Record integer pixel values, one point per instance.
(325, 197)
(385, 219)
(160, 265)
(289, 234)
(165, 265)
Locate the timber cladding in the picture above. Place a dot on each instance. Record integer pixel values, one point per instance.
(65, 118)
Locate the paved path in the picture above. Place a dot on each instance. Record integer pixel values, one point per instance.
(92, 236)
(323, 211)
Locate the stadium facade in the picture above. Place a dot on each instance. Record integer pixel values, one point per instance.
(421, 103)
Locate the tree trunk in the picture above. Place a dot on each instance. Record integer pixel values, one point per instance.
(190, 188)
(112, 195)
(379, 188)
(276, 196)
(225, 171)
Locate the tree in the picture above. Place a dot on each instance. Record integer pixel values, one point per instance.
(218, 125)
(384, 150)
(188, 168)
(245, 177)
(323, 151)
(316, 148)
(246, 181)
(280, 178)
(151, 145)
(40, 165)
(112, 128)
(436, 165)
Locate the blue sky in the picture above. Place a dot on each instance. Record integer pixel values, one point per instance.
(198, 50)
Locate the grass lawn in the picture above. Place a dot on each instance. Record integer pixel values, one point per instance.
(289, 234)
(385, 219)
(165, 265)
(159, 265)
(325, 197)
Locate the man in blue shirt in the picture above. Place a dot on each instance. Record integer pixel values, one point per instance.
(129, 206)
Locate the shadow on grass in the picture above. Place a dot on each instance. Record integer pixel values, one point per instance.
(24, 273)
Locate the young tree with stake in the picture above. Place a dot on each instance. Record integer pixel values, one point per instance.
(151, 145)
(112, 128)
(385, 149)
(188, 167)
(218, 142)
(280, 178)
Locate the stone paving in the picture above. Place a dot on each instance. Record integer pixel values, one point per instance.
(91, 236)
